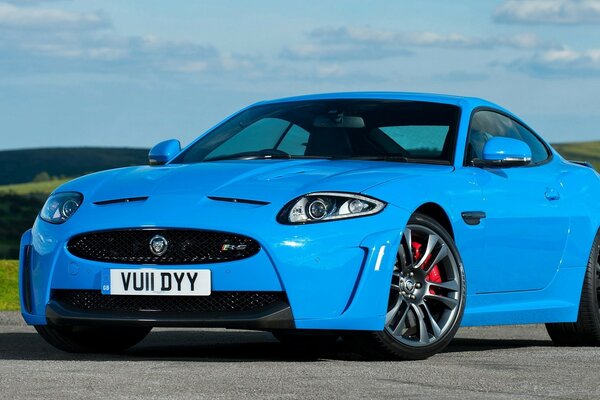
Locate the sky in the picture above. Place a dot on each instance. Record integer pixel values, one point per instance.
(132, 73)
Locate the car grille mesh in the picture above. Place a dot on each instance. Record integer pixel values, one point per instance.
(222, 302)
(132, 246)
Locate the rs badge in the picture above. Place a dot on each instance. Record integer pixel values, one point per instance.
(233, 247)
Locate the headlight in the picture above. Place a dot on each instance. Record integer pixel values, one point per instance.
(327, 206)
(60, 206)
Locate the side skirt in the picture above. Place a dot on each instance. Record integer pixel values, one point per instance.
(558, 302)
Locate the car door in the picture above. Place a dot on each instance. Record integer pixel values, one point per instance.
(526, 223)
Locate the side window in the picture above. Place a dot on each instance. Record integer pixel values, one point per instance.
(294, 142)
(488, 124)
(539, 152)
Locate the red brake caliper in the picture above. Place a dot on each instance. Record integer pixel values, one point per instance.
(434, 274)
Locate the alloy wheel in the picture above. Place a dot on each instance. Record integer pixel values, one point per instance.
(425, 291)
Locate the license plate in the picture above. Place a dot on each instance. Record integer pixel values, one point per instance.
(152, 282)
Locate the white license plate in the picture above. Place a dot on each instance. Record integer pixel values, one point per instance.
(152, 282)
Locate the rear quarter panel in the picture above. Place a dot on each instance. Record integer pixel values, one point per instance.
(581, 189)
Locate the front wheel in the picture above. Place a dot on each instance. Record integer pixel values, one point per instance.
(427, 296)
(82, 339)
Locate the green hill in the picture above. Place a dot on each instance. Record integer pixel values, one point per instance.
(17, 213)
(21, 166)
(582, 151)
(45, 187)
(21, 199)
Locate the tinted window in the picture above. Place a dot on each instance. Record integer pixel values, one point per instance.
(488, 124)
(419, 140)
(262, 134)
(369, 129)
(294, 141)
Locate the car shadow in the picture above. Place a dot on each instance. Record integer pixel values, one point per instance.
(476, 344)
(219, 346)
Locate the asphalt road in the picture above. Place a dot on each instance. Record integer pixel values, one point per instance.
(482, 363)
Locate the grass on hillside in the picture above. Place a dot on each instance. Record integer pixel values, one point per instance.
(32, 187)
(583, 151)
(9, 289)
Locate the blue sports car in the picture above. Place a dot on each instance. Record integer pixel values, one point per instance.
(389, 219)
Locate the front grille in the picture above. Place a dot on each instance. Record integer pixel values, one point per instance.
(132, 246)
(221, 302)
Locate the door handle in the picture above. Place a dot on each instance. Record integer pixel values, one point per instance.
(552, 194)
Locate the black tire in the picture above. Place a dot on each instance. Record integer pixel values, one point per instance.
(586, 331)
(80, 339)
(419, 341)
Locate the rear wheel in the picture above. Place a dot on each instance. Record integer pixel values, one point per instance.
(426, 299)
(586, 331)
(80, 339)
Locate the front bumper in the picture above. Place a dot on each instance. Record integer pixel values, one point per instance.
(335, 275)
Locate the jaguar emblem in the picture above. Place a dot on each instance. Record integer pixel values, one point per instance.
(158, 245)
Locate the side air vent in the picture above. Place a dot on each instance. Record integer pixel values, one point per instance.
(124, 200)
(234, 200)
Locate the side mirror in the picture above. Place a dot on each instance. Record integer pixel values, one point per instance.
(504, 152)
(164, 151)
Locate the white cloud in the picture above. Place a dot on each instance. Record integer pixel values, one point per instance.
(13, 17)
(38, 39)
(548, 12)
(370, 36)
(561, 63)
(356, 34)
(439, 40)
(31, 2)
(523, 41)
(330, 71)
(460, 76)
(365, 43)
(342, 51)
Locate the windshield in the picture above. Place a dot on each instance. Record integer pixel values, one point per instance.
(405, 131)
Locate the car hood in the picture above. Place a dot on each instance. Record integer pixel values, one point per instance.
(261, 180)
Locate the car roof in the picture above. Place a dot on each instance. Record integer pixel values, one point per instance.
(460, 101)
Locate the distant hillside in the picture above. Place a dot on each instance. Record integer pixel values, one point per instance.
(20, 166)
(23, 189)
(17, 214)
(582, 151)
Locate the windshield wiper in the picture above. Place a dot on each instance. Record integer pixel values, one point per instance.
(276, 155)
(378, 158)
(252, 156)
